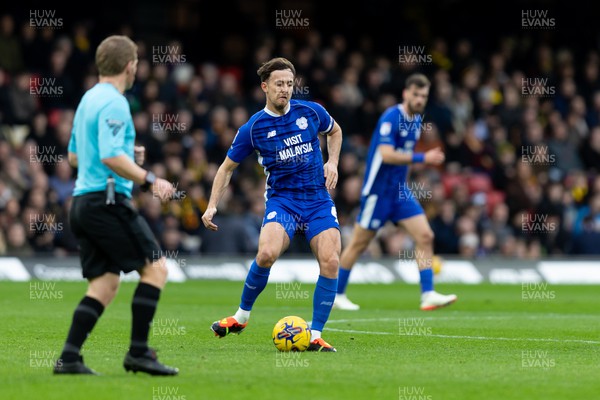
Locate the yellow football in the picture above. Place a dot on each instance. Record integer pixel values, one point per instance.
(291, 333)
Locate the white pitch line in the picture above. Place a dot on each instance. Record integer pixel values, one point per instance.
(473, 337)
(470, 317)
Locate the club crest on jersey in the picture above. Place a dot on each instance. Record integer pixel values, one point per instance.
(302, 123)
(271, 134)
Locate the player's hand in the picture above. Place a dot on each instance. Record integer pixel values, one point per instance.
(434, 156)
(331, 175)
(139, 154)
(207, 218)
(162, 189)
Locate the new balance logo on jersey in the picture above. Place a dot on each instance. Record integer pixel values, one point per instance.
(271, 134)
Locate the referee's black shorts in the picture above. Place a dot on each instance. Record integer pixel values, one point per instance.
(112, 238)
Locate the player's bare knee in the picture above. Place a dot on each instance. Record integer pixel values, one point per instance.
(361, 244)
(425, 238)
(161, 272)
(155, 272)
(266, 257)
(104, 291)
(329, 265)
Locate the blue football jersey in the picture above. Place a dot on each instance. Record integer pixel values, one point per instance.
(287, 146)
(397, 129)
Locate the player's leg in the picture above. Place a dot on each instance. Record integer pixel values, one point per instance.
(140, 357)
(419, 229)
(153, 277)
(375, 210)
(322, 231)
(359, 242)
(103, 282)
(274, 239)
(101, 291)
(133, 246)
(116, 238)
(326, 246)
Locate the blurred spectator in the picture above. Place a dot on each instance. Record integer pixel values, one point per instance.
(11, 56)
(587, 229)
(590, 151)
(22, 105)
(565, 150)
(498, 223)
(16, 244)
(62, 182)
(172, 242)
(444, 226)
(489, 244)
(3, 245)
(468, 245)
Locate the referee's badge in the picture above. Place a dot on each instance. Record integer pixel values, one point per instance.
(115, 125)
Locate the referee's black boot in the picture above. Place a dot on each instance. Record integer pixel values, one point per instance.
(75, 367)
(148, 363)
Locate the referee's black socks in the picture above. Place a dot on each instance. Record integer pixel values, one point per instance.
(143, 307)
(84, 319)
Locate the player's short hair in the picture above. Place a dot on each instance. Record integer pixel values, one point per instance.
(113, 54)
(418, 80)
(274, 64)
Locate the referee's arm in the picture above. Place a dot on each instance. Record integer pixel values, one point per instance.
(73, 159)
(126, 168)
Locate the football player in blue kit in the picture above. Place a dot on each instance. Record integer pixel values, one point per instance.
(285, 136)
(386, 194)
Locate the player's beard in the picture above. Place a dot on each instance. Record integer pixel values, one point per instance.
(280, 106)
(412, 109)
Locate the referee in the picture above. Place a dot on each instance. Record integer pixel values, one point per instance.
(112, 236)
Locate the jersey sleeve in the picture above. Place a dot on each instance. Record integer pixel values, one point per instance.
(325, 120)
(387, 129)
(111, 129)
(242, 146)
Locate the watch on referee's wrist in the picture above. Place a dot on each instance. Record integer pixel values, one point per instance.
(149, 181)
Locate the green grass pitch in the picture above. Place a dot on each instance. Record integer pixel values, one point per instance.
(496, 342)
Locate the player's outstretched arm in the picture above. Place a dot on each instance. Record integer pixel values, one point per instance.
(334, 145)
(389, 155)
(219, 185)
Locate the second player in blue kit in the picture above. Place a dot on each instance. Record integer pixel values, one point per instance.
(387, 194)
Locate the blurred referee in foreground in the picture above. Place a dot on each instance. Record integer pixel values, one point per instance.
(112, 236)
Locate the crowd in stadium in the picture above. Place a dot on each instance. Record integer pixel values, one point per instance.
(520, 127)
